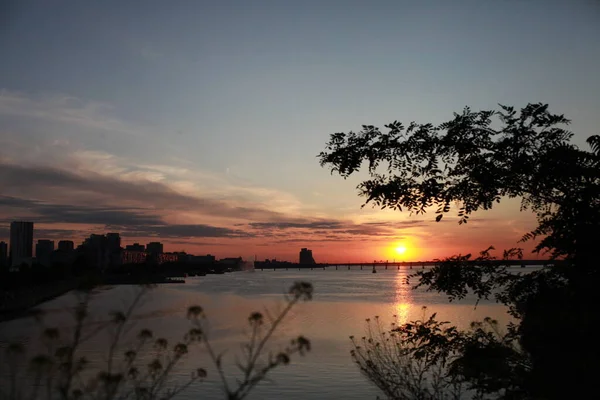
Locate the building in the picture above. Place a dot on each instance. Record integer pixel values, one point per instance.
(306, 256)
(167, 258)
(207, 259)
(66, 246)
(133, 257)
(135, 247)
(43, 252)
(113, 243)
(21, 243)
(154, 248)
(3, 255)
(95, 249)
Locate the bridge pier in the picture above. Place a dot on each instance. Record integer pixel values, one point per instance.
(348, 268)
(398, 267)
(336, 267)
(361, 267)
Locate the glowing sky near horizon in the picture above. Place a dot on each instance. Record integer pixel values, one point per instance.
(199, 122)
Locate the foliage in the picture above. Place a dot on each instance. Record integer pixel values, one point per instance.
(474, 161)
(430, 360)
(142, 370)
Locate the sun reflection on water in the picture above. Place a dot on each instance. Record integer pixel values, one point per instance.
(403, 301)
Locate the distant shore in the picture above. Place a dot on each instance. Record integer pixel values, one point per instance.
(20, 303)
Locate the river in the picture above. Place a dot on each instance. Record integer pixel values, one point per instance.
(342, 301)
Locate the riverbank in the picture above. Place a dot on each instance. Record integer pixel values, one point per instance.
(19, 303)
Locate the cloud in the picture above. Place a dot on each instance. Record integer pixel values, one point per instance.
(74, 214)
(65, 109)
(132, 222)
(330, 230)
(327, 224)
(57, 185)
(198, 230)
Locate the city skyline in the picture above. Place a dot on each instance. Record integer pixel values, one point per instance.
(200, 125)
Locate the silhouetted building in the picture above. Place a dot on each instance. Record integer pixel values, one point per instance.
(207, 259)
(306, 256)
(66, 245)
(167, 258)
(135, 247)
(21, 243)
(95, 249)
(154, 248)
(133, 256)
(43, 252)
(113, 242)
(182, 257)
(3, 254)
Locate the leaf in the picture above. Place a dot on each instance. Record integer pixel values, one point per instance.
(439, 218)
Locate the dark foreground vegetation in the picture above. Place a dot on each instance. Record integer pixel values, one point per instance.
(139, 365)
(467, 164)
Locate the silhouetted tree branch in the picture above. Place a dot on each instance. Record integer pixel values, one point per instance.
(472, 162)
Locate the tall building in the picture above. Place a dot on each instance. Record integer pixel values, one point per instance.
(66, 246)
(43, 252)
(306, 256)
(113, 242)
(154, 251)
(96, 250)
(3, 255)
(154, 248)
(21, 243)
(65, 254)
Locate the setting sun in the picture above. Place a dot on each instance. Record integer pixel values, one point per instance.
(400, 249)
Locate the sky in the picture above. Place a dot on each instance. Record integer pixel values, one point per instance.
(198, 123)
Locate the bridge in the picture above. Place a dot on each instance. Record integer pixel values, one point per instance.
(389, 265)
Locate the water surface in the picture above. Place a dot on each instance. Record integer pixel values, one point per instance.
(342, 301)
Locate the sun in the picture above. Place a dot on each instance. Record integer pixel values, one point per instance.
(400, 249)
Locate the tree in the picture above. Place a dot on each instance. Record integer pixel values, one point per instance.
(474, 161)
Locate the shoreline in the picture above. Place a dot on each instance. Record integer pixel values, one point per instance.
(24, 301)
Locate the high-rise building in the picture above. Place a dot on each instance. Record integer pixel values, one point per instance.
(66, 246)
(65, 254)
(154, 251)
(43, 252)
(114, 242)
(306, 256)
(96, 250)
(154, 248)
(3, 254)
(135, 247)
(21, 243)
